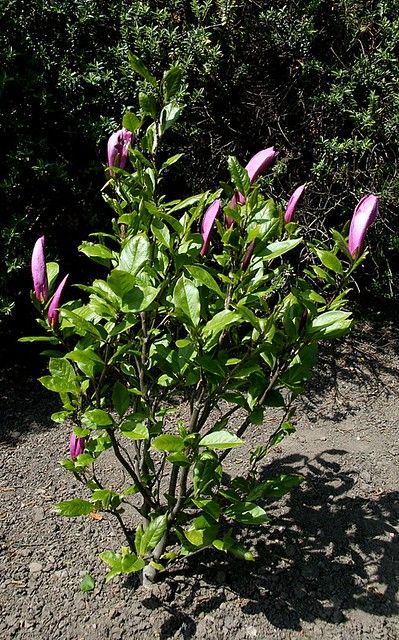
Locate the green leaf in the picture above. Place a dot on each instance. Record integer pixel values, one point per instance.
(153, 534)
(109, 557)
(220, 440)
(61, 367)
(274, 399)
(59, 384)
(74, 508)
(247, 314)
(157, 565)
(168, 442)
(131, 122)
(175, 224)
(168, 117)
(202, 276)
(99, 417)
(106, 497)
(84, 355)
(139, 298)
(186, 300)
(246, 513)
(52, 269)
(207, 473)
(135, 253)
(325, 320)
(123, 563)
(184, 204)
(228, 544)
(82, 326)
(171, 82)
(96, 251)
(330, 260)
(209, 506)
(131, 563)
(340, 242)
(202, 537)
(137, 537)
(120, 398)
(209, 363)
(140, 68)
(323, 275)
(161, 232)
(276, 249)
(220, 321)
(134, 429)
(121, 282)
(170, 161)
(149, 106)
(60, 416)
(50, 339)
(179, 459)
(239, 176)
(87, 584)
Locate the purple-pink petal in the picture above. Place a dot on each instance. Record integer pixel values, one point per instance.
(364, 215)
(53, 310)
(39, 271)
(76, 445)
(208, 221)
(260, 162)
(292, 203)
(118, 147)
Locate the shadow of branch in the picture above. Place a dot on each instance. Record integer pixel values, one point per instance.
(327, 551)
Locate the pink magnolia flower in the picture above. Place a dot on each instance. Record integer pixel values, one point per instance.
(257, 164)
(76, 445)
(39, 271)
(364, 215)
(118, 146)
(208, 221)
(53, 310)
(292, 203)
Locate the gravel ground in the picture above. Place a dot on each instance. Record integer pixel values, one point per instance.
(327, 565)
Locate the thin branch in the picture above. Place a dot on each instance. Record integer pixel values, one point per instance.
(182, 494)
(102, 375)
(124, 528)
(125, 463)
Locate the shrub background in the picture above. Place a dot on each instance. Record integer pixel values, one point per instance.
(318, 79)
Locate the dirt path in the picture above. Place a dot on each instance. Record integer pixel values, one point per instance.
(327, 566)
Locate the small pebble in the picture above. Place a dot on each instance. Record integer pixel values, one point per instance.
(35, 567)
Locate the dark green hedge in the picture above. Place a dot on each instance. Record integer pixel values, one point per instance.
(318, 79)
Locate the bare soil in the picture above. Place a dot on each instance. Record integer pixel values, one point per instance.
(326, 566)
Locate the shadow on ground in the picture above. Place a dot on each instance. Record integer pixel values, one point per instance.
(25, 406)
(366, 360)
(327, 552)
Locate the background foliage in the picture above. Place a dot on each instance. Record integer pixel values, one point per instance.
(317, 79)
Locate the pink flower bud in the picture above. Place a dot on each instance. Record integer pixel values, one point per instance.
(39, 272)
(248, 255)
(53, 310)
(364, 215)
(292, 203)
(208, 221)
(258, 163)
(118, 145)
(76, 446)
